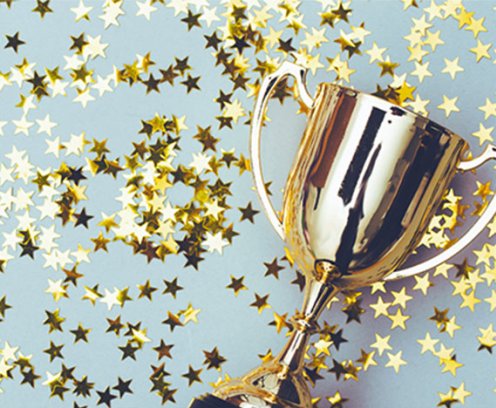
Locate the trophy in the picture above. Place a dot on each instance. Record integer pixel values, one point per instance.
(367, 179)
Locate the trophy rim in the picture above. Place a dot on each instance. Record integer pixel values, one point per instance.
(387, 103)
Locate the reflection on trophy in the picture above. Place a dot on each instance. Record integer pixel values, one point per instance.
(367, 179)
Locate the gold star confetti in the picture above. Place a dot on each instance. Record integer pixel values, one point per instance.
(395, 361)
(124, 171)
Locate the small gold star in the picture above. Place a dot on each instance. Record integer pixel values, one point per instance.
(260, 303)
(236, 285)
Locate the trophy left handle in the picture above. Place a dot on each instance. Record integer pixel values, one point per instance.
(268, 85)
(488, 154)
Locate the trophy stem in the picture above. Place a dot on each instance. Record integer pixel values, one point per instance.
(280, 382)
(293, 352)
(317, 296)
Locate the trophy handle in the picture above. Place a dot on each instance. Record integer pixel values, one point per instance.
(268, 85)
(468, 237)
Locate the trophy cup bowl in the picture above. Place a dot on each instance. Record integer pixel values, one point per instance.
(365, 183)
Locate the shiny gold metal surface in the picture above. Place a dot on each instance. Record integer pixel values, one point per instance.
(365, 183)
(366, 180)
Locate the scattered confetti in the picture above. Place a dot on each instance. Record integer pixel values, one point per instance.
(125, 187)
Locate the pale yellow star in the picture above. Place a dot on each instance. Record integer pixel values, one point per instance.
(464, 18)
(22, 125)
(421, 25)
(428, 344)
(449, 105)
(110, 298)
(398, 319)
(487, 338)
(380, 308)
(469, 300)
(273, 37)
(322, 347)
(422, 283)
(76, 144)
(381, 343)
(451, 326)
(165, 229)
(4, 80)
(400, 298)
(489, 109)
(421, 71)
(367, 360)
(213, 209)
(443, 270)
(190, 314)
(45, 125)
(375, 53)
(51, 378)
(451, 365)
(260, 17)
(81, 11)
(415, 37)
(460, 393)
(215, 242)
(94, 48)
(419, 105)
(434, 40)
(84, 97)
(395, 361)
(8, 352)
(491, 300)
(335, 399)
(179, 6)
(483, 190)
(450, 8)
(145, 9)
(481, 51)
(4, 368)
(103, 85)
(379, 286)
(461, 286)
(446, 399)
(344, 71)
(484, 134)
(234, 110)
(315, 39)
(57, 289)
(434, 11)
(443, 353)
(111, 11)
(180, 123)
(47, 238)
(209, 15)
(140, 336)
(492, 227)
(359, 33)
(452, 67)
(476, 26)
(58, 88)
(81, 254)
(417, 53)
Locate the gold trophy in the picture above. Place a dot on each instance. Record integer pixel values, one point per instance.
(367, 179)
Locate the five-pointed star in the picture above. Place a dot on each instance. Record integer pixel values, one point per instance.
(428, 343)
(449, 105)
(380, 308)
(395, 361)
(209, 234)
(81, 11)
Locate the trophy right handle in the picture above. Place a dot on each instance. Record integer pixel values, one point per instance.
(268, 85)
(488, 154)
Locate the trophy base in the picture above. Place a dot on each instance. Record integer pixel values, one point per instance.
(209, 401)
